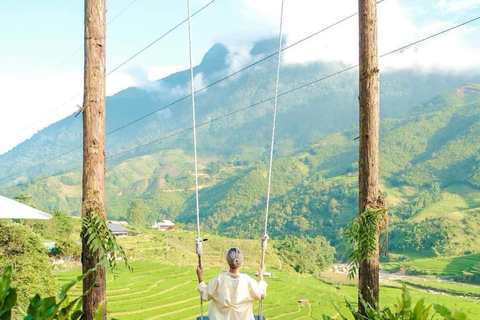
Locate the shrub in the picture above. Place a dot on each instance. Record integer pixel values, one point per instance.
(402, 310)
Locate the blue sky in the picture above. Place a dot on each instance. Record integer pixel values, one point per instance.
(40, 69)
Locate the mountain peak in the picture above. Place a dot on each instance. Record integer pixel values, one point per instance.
(215, 59)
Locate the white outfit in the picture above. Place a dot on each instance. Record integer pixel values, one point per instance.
(232, 299)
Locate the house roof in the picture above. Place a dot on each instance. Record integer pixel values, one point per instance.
(166, 223)
(117, 227)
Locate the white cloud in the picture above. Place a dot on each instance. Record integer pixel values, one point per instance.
(457, 6)
(31, 104)
(198, 82)
(397, 26)
(160, 72)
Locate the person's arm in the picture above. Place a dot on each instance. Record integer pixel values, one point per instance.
(199, 274)
(206, 290)
(261, 271)
(258, 290)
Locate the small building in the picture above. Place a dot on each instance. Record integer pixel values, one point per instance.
(120, 222)
(118, 230)
(163, 225)
(303, 302)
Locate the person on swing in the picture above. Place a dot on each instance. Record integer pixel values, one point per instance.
(233, 293)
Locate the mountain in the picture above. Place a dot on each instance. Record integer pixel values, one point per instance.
(241, 105)
(429, 162)
(429, 155)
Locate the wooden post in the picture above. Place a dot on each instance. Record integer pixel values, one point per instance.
(368, 277)
(93, 199)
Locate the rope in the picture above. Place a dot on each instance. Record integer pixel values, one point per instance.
(277, 80)
(192, 95)
(274, 121)
(199, 240)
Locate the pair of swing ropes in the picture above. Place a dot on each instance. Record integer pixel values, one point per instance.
(264, 239)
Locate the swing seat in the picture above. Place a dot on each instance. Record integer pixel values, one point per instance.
(206, 318)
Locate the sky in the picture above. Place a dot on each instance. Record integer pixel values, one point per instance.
(41, 44)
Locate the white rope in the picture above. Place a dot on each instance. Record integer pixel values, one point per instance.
(192, 94)
(199, 240)
(274, 120)
(265, 235)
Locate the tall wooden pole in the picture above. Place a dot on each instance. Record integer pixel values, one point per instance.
(368, 277)
(93, 199)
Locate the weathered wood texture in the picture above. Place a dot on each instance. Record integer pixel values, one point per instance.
(93, 199)
(368, 278)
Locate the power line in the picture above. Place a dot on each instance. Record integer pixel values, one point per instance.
(236, 72)
(80, 48)
(59, 65)
(255, 104)
(211, 84)
(431, 36)
(121, 12)
(158, 39)
(119, 66)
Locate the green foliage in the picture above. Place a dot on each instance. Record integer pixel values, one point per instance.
(60, 226)
(49, 309)
(430, 236)
(420, 201)
(67, 248)
(8, 295)
(314, 189)
(306, 255)
(136, 212)
(213, 168)
(362, 236)
(44, 308)
(101, 239)
(32, 272)
(402, 310)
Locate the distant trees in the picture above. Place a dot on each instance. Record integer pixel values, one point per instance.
(60, 226)
(213, 168)
(136, 213)
(420, 201)
(306, 255)
(430, 237)
(67, 249)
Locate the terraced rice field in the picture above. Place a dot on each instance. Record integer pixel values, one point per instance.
(160, 291)
(441, 267)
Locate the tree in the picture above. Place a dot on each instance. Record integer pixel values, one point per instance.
(67, 248)
(24, 199)
(136, 213)
(93, 198)
(368, 273)
(22, 248)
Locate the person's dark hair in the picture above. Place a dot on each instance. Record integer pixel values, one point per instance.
(234, 257)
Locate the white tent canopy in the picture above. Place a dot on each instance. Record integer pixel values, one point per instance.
(11, 209)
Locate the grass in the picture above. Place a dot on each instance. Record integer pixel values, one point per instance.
(455, 200)
(459, 289)
(158, 291)
(161, 289)
(450, 267)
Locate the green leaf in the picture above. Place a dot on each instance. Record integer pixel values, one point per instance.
(10, 300)
(99, 311)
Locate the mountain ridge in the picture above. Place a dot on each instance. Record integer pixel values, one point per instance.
(333, 104)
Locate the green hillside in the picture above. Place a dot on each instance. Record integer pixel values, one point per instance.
(429, 169)
(234, 115)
